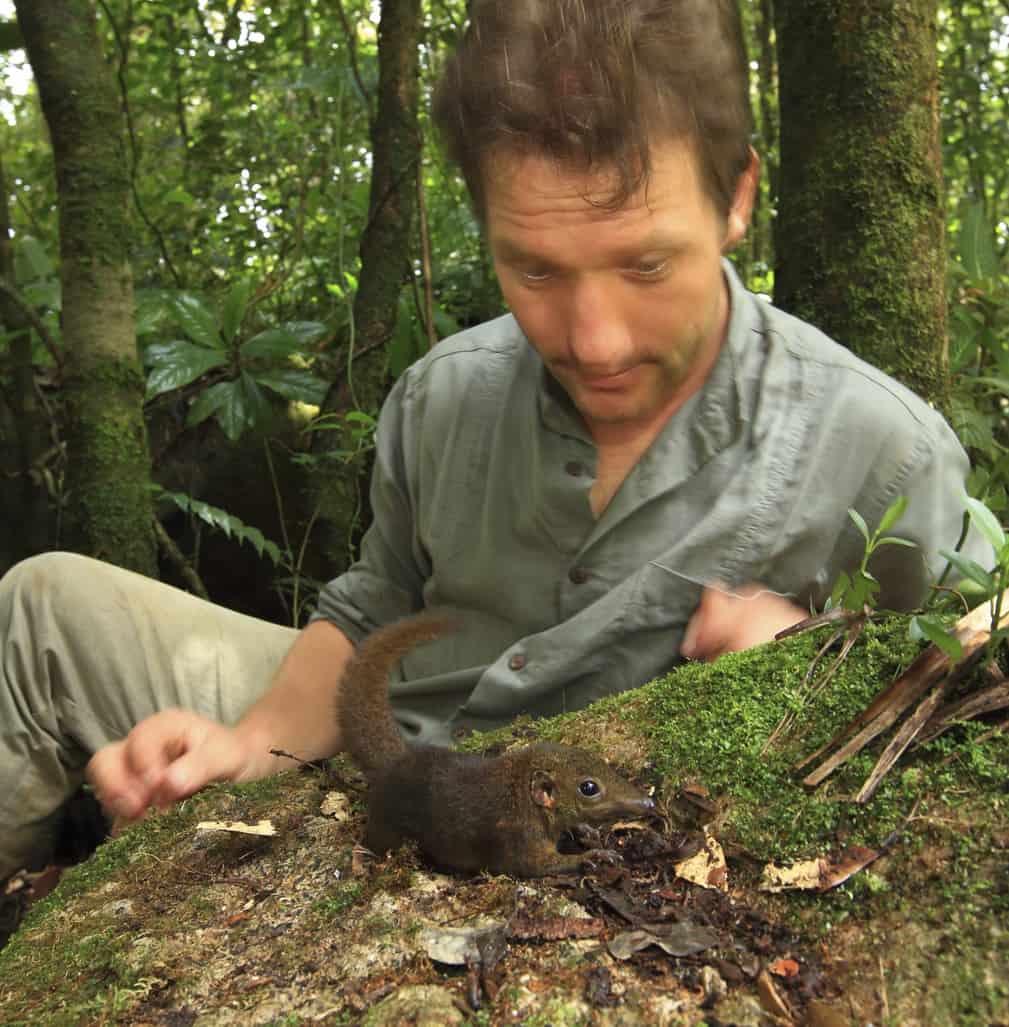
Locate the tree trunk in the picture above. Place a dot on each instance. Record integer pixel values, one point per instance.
(25, 520)
(860, 247)
(108, 467)
(386, 248)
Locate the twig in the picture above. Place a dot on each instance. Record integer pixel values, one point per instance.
(36, 322)
(124, 54)
(352, 53)
(181, 564)
(425, 257)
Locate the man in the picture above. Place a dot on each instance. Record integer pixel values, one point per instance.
(644, 461)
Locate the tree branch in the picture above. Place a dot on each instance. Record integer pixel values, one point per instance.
(123, 47)
(352, 52)
(36, 322)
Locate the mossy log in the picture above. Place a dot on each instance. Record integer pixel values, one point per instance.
(167, 924)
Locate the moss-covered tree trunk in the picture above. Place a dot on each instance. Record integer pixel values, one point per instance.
(108, 467)
(860, 249)
(387, 246)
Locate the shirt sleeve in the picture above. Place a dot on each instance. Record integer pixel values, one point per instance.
(387, 581)
(933, 520)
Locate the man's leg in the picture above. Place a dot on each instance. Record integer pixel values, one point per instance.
(88, 650)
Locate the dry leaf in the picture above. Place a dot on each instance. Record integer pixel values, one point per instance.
(820, 874)
(336, 805)
(675, 939)
(707, 867)
(784, 968)
(264, 828)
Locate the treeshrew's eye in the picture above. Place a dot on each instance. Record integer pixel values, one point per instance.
(588, 788)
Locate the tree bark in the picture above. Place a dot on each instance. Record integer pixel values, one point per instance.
(860, 241)
(108, 467)
(386, 248)
(25, 520)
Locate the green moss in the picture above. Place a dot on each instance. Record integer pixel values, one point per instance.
(711, 722)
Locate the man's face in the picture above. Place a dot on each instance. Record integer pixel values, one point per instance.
(627, 308)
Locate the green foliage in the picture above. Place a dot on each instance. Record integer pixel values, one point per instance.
(268, 360)
(858, 590)
(223, 521)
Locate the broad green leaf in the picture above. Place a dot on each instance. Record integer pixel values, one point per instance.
(197, 320)
(859, 523)
(977, 243)
(44, 293)
(293, 383)
(273, 344)
(246, 407)
(180, 196)
(971, 569)
(32, 260)
(924, 627)
(174, 364)
(234, 310)
(893, 513)
(283, 341)
(238, 405)
(986, 522)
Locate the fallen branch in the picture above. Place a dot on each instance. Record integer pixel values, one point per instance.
(931, 670)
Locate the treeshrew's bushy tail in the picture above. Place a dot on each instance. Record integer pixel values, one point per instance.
(369, 732)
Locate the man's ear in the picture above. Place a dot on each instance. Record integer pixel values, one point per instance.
(543, 789)
(742, 204)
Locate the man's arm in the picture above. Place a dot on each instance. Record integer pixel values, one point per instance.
(175, 753)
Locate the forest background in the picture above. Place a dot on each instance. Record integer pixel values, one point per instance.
(227, 228)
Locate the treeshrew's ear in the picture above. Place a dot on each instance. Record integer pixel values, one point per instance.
(543, 789)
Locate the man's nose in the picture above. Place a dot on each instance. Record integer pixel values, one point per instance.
(598, 339)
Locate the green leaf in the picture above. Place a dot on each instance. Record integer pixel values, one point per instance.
(180, 196)
(32, 260)
(283, 341)
(893, 513)
(970, 569)
(925, 627)
(220, 519)
(293, 383)
(986, 522)
(174, 364)
(977, 242)
(197, 320)
(238, 405)
(893, 540)
(859, 523)
(234, 310)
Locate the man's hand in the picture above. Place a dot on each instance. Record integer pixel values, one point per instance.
(726, 621)
(168, 757)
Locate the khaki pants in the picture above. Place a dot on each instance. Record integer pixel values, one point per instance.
(88, 650)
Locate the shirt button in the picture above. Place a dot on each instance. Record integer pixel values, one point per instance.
(516, 662)
(578, 575)
(574, 468)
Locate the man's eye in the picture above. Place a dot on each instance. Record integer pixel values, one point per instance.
(536, 276)
(650, 269)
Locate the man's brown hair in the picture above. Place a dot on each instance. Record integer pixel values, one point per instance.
(594, 84)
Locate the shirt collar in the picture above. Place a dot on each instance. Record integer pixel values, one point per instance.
(711, 417)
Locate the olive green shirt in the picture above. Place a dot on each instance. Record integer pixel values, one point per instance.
(480, 496)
